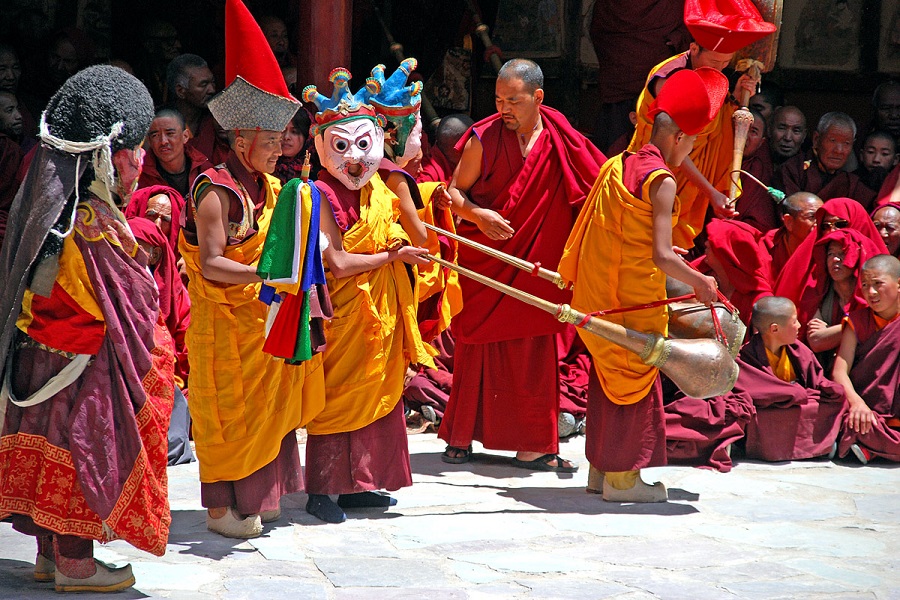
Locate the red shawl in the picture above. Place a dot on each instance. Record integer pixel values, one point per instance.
(738, 248)
(540, 196)
(884, 194)
(435, 167)
(795, 276)
(174, 303)
(137, 207)
(755, 206)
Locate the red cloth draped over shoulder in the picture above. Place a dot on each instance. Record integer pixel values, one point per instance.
(435, 167)
(815, 280)
(137, 207)
(174, 303)
(738, 247)
(754, 205)
(540, 196)
(884, 194)
(876, 370)
(797, 273)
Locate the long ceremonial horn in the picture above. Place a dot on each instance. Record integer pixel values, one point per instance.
(756, 59)
(701, 368)
(533, 268)
(482, 31)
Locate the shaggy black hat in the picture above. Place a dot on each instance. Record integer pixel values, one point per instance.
(90, 102)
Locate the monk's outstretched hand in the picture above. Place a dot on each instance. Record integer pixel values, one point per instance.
(723, 206)
(860, 417)
(492, 224)
(413, 255)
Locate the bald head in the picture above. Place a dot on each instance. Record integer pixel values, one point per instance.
(887, 221)
(883, 264)
(772, 309)
(523, 70)
(449, 131)
(800, 201)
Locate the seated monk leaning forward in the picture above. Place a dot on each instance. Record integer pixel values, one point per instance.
(523, 174)
(798, 409)
(868, 365)
(618, 256)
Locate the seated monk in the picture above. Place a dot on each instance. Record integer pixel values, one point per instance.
(877, 158)
(837, 213)
(832, 289)
(821, 171)
(755, 206)
(798, 410)
(741, 265)
(886, 219)
(798, 218)
(867, 366)
(443, 157)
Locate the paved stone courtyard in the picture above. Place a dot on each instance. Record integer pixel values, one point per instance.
(486, 530)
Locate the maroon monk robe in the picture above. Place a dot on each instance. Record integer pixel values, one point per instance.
(699, 431)
(776, 242)
(375, 457)
(505, 379)
(755, 207)
(206, 140)
(574, 365)
(802, 174)
(151, 175)
(431, 387)
(876, 378)
(795, 420)
(435, 167)
(884, 194)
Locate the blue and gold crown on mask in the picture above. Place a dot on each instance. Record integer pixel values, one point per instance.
(343, 105)
(391, 96)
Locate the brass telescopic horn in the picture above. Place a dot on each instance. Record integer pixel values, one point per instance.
(701, 368)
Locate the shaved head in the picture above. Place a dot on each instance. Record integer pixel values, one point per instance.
(450, 129)
(884, 264)
(525, 70)
(772, 309)
(800, 201)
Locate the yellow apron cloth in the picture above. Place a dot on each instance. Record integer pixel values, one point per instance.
(242, 400)
(373, 335)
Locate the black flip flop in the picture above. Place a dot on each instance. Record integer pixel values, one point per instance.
(457, 460)
(542, 463)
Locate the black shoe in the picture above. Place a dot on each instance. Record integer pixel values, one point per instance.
(323, 508)
(366, 500)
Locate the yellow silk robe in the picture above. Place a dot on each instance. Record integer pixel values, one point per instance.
(609, 259)
(712, 155)
(242, 400)
(373, 336)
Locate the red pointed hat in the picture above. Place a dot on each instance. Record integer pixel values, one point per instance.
(692, 97)
(725, 26)
(257, 95)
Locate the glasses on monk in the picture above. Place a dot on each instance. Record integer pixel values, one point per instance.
(153, 215)
(835, 225)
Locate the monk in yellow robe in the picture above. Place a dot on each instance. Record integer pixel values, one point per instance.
(705, 176)
(357, 444)
(618, 255)
(245, 404)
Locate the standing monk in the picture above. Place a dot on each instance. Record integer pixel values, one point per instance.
(88, 381)
(705, 174)
(523, 175)
(245, 404)
(618, 256)
(357, 444)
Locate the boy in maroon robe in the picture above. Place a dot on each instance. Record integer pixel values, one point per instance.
(798, 409)
(868, 365)
(523, 175)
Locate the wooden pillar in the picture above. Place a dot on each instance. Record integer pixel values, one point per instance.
(324, 41)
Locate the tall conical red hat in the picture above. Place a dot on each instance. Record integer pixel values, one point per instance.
(257, 95)
(725, 26)
(692, 97)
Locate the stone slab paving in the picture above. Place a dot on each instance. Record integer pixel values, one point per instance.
(486, 530)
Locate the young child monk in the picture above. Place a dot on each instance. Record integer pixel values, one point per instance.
(868, 365)
(618, 255)
(798, 409)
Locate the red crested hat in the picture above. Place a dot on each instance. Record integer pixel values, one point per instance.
(725, 26)
(256, 95)
(692, 97)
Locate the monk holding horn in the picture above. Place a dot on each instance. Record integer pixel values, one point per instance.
(618, 255)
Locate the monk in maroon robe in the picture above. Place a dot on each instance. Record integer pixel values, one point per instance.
(755, 206)
(443, 156)
(798, 217)
(523, 175)
(821, 170)
(798, 410)
(868, 366)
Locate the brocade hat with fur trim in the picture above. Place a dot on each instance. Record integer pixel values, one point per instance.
(257, 96)
(692, 97)
(725, 26)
